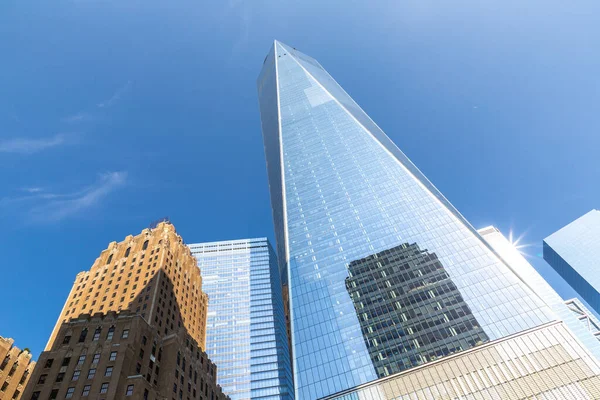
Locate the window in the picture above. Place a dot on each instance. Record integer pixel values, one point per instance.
(53, 394)
(104, 387)
(80, 360)
(125, 334)
(70, 392)
(76, 374)
(83, 335)
(129, 390)
(127, 252)
(144, 340)
(141, 353)
(138, 368)
(42, 379)
(111, 332)
(113, 356)
(97, 334)
(67, 339)
(91, 373)
(35, 395)
(109, 259)
(60, 377)
(66, 361)
(49, 363)
(145, 245)
(4, 386)
(96, 359)
(108, 371)
(86, 391)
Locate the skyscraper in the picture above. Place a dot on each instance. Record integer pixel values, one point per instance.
(347, 202)
(246, 329)
(574, 252)
(134, 325)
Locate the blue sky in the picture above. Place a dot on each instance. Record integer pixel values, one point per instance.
(115, 113)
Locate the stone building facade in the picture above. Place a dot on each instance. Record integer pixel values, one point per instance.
(153, 274)
(15, 369)
(133, 326)
(120, 356)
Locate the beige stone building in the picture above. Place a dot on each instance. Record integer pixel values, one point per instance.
(153, 274)
(15, 369)
(134, 325)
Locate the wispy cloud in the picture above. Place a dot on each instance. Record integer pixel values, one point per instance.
(32, 189)
(79, 117)
(30, 146)
(95, 114)
(44, 207)
(116, 96)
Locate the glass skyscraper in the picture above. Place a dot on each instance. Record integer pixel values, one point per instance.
(385, 275)
(246, 330)
(574, 252)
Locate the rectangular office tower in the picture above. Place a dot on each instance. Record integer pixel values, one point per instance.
(246, 329)
(392, 292)
(574, 252)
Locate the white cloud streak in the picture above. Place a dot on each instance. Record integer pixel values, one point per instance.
(79, 117)
(116, 96)
(44, 207)
(31, 146)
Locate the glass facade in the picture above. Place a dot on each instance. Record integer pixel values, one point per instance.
(342, 195)
(399, 337)
(246, 329)
(527, 273)
(542, 363)
(573, 252)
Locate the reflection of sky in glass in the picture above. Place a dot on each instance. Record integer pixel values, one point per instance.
(574, 252)
(350, 193)
(246, 335)
(528, 274)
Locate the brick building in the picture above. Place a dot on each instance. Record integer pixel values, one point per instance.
(15, 369)
(133, 326)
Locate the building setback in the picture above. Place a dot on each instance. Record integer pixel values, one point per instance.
(15, 369)
(574, 252)
(584, 316)
(372, 253)
(246, 332)
(133, 325)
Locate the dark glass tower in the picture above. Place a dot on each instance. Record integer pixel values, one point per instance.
(342, 195)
